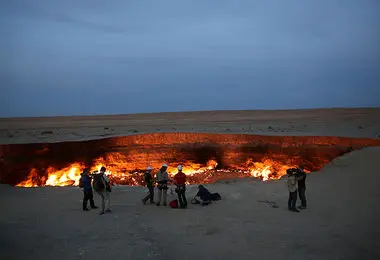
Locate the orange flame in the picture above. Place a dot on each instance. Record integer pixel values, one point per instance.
(121, 170)
(268, 170)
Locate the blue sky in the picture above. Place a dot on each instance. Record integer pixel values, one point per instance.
(112, 57)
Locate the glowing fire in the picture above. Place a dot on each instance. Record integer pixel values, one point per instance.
(267, 170)
(119, 170)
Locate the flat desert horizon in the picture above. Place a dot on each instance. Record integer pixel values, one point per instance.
(345, 122)
(341, 221)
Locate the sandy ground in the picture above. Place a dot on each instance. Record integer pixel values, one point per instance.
(362, 122)
(342, 221)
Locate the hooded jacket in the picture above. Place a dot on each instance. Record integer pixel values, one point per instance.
(85, 182)
(204, 194)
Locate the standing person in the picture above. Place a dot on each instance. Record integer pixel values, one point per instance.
(149, 182)
(162, 184)
(180, 182)
(301, 177)
(292, 188)
(103, 188)
(85, 184)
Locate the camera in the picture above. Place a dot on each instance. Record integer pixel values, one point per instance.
(294, 171)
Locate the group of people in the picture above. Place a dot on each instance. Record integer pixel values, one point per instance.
(101, 184)
(179, 180)
(296, 183)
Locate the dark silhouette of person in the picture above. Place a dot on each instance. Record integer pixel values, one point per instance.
(149, 182)
(301, 178)
(85, 183)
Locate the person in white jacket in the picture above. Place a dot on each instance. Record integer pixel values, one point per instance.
(292, 188)
(162, 184)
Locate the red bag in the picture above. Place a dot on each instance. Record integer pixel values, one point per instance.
(173, 204)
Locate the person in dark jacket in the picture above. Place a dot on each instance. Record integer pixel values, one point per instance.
(301, 178)
(85, 184)
(149, 182)
(204, 195)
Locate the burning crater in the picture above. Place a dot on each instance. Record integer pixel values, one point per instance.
(206, 157)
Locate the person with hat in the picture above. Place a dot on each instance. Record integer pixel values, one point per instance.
(162, 184)
(180, 182)
(85, 185)
(149, 182)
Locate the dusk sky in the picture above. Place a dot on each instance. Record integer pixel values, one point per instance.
(77, 57)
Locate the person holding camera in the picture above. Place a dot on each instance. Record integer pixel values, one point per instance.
(85, 185)
(301, 178)
(292, 188)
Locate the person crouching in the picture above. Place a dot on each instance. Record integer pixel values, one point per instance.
(204, 194)
(85, 184)
(149, 182)
(162, 184)
(180, 182)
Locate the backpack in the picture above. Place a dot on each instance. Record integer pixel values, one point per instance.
(173, 204)
(81, 183)
(98, 183)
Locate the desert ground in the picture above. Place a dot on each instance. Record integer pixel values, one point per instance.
(357, 122)
(342, 220)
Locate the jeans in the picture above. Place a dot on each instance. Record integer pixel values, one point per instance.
(292, 200)
(181, 192)
(105, 197)
(88, 196)
(150, 195)
(301, 193)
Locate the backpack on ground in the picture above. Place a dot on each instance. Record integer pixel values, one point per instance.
(173, 204)
(98, 183)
